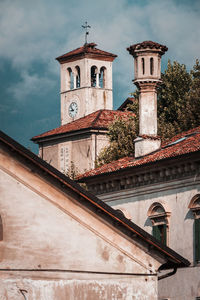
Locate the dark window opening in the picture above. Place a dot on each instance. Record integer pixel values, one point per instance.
(151, 66)
(102, 77)
(160, 233)
(197, 239)
(143, 66)
(93, 76)
(78, 77)
(70, 82)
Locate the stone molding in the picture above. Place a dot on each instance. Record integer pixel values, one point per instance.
(122, 181)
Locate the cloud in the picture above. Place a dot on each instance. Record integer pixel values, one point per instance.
(40, 30)
(30, 85)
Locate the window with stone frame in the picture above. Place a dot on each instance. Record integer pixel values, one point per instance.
(194, 206)
(160, 222)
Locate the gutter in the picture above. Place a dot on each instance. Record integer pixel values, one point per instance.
(168, 274)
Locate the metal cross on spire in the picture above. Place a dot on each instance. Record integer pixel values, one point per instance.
(86, 27)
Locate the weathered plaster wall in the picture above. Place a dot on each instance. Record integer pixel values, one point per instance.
(175, 197)
(45, 228)
(81, 150)
(76, 289)
(49, 153)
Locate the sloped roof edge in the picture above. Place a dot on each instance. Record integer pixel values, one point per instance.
(180, 145)
(99, 119)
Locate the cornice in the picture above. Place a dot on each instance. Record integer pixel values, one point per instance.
(157, 174)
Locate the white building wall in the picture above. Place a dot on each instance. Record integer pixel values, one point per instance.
(46, 229)
(175, 197)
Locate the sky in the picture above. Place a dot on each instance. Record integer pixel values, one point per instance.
(34, 33)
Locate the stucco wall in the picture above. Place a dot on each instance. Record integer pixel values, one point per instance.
(175, 197)
(76, 289)
(45, 229)
(81, 150)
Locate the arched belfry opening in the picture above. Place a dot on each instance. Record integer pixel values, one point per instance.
(94, 77)
(78, 77)
(70, 79)
(102, 77)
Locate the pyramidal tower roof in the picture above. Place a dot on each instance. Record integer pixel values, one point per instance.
(88, 50)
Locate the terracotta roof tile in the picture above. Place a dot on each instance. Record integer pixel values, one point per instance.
(86, 50)
(145, 45)
(183, 143)
(99, 119)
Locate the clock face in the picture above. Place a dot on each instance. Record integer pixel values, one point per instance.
(73, 109)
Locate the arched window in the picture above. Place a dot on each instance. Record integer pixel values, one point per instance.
(151, 66)
(78, 77)
(70, 79)
(159, 218)
(102, 77)
(195, 208)
(143, 66)
(93, 76)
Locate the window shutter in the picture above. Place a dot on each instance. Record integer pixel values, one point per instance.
(197, 239)
(156, 232)
(164, 234)
(160, 233)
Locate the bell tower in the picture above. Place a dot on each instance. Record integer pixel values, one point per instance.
(86, 82)
(147, 68)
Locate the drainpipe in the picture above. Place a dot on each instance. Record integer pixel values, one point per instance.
(168, 274)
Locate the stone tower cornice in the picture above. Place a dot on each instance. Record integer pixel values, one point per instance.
(147, 46)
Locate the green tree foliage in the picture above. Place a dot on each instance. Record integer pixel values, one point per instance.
(178, 110)
(73, 171)
(191, 114)
(122, 133)
(172, 99)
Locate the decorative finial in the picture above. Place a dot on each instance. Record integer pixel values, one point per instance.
(86, 26)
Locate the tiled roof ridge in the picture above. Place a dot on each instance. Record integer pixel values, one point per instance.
(89, 123)
(89, 48)
(65, 125)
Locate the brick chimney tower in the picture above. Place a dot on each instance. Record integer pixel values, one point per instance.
(147, 67)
